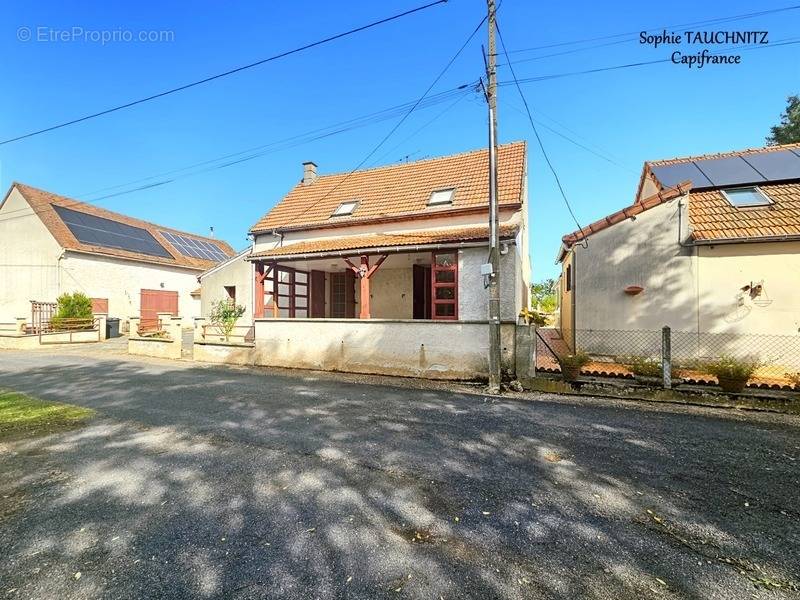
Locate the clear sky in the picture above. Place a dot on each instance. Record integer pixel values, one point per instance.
(627, 115)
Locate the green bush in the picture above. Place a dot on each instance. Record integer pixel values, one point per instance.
(224, 315)
(729, 367)
(71, 306)
(642, 365)
(574, 360)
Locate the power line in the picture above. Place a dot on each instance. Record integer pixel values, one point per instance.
(662, 27)
(536, 133)
(225, 73)
(293, 141)
(400, 122)
(786, 42)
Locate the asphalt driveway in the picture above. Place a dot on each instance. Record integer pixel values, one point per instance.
(200, 482)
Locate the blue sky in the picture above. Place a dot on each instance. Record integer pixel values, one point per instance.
(627, 115)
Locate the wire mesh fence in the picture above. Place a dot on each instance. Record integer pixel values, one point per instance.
(773, 359)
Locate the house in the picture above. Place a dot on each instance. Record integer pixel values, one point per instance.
(379, 270)
(710, 247)
(51, 244)
(229, 281)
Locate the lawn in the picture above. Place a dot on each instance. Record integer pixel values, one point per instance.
(22, 414)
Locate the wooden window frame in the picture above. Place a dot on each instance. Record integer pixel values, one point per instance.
(272, 275)
(435, 268)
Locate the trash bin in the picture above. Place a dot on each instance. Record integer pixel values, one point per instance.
(112, 327)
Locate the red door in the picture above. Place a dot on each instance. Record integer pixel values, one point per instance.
(153, 302)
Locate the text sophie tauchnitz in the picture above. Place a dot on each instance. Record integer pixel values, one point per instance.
(704, 38)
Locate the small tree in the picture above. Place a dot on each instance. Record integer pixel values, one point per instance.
(788, 132)
(224, 315)
(71, 306)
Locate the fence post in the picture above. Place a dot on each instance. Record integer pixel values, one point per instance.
(21, 325)
(199, 329)
(666, 356)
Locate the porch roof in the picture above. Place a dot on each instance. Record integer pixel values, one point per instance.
(384, 242)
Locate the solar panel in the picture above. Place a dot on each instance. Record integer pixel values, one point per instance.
(725, 172)
(195, 248)
(672, 175)
(98, 231)
(776, 166)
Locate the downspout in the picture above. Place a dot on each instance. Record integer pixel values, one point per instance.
(696, 253)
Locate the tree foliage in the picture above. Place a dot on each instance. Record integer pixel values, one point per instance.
(788, 132)
(224, 315)
(543, 296)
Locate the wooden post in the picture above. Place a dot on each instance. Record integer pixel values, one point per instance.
(364, 273)
(259, 281)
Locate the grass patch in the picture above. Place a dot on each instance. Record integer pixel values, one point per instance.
(21, 414)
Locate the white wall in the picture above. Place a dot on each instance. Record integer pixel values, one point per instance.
(644, 252)
(121, 281)
(473, 298)
(238, 273)
(28, 259)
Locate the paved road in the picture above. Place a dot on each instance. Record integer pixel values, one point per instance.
(209, 482)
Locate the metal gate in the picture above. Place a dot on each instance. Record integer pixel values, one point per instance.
(153, 302)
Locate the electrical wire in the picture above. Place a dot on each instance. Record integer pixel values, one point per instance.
(277, 146)
(399, 123)
(223, 74)
(538, 137)
(660, 28)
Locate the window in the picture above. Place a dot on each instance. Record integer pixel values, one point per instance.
(568, 278)
(441, 197)
(230, 292)
(345, 208)
(286, 293)
(444, 284)
(746, 197)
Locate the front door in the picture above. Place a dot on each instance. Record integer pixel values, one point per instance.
(317, 295)
(422, 292)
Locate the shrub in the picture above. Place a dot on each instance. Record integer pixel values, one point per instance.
(729, 367)
(71, 306)
(224, 315)
(574, 360)
(642, 365)
(794, 378)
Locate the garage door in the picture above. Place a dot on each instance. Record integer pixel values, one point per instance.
(153, 302)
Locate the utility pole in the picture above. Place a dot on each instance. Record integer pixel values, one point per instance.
(494, 213)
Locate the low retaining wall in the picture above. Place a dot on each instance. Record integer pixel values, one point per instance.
(169, 346)
(430, 349)
(221, 352)
(13, 336)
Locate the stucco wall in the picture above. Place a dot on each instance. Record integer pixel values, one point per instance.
(121, 282)
(444, 350)
(391, 294)
(644, 252)
(473, 298)
(238, 273)
(28, 259)
(725, 269)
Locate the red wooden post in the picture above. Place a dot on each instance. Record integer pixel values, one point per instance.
(259, 280)
(364, 273)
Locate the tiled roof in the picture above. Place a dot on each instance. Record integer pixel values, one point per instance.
(42, 203)
(625, 213)
(398, 191)
(387, 240)
(712, 217)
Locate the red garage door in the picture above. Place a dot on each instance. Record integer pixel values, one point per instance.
(153, 302)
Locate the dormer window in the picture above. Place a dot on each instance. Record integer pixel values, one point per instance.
(345, 208)
(746, 197)
(441, 197)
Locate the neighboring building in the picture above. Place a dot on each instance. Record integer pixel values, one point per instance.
(231, 281)
(50, 244)
(711, 245)
(387, 248)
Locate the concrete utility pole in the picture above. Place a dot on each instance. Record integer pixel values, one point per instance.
(494, 213)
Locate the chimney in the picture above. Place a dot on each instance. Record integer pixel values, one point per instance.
(309, 172)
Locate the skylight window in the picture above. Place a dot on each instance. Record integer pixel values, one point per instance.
(440, 197)
(345, 208)
(746, 197)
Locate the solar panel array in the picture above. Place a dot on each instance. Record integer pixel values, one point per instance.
(98, 231)
(770, 166)
(194, 247)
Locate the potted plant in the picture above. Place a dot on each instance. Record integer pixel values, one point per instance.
(732, 373)
(571, 365)
(794, 378)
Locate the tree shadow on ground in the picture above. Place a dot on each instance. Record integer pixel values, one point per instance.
(215, 483)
